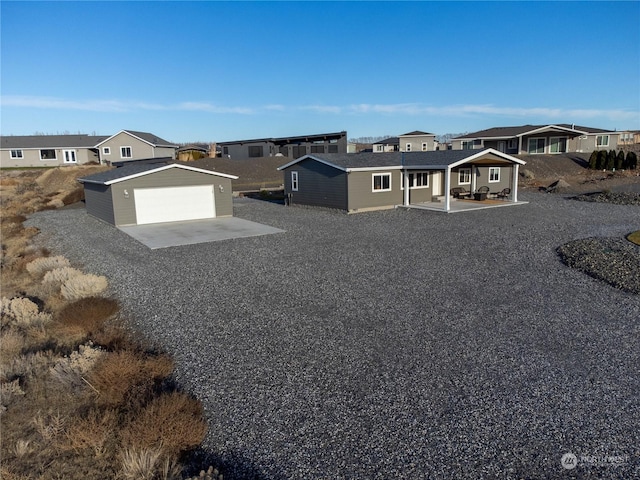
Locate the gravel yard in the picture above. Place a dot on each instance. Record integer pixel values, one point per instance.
(396, 344)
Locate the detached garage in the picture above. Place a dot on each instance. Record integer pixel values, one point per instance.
(144, 194)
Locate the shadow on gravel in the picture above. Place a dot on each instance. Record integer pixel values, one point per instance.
(233, 466)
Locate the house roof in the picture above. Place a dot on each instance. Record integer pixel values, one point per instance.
(194, 146)
(435, 160)
(510, 132)
(388, 141)
(306, 138)
(50, 141)
(415, 133)
(132, 171)
(147, 137)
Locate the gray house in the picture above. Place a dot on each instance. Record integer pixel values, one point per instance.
(539, 139)
(129, 145)
(48, 150)
(292, 147)
(150, 193)
(373, 181)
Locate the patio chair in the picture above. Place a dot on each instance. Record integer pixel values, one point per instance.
(483, 190)
(460, 192)
(504, 193)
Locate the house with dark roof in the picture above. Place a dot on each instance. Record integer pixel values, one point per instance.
(48, 150)
(143, 193)
(444, 180)
(539, 139)
(57, 150)
(129, 145)
(417, 141)
(391, 144)
(292, 147)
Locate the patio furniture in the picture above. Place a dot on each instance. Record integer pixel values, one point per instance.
(460, 192)
(504, 193)
(481, 193)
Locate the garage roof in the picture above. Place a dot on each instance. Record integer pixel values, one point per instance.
(132, 171)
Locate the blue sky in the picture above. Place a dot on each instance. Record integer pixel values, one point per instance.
(219, 71)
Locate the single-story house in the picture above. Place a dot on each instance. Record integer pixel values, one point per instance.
(48, 150)
(391, 144)
(292, 147)
(57, 150)
(151, 193)
(539, 139)
(372, 181)
(129, 145)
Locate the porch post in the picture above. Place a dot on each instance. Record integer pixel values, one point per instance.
(515, 182)
(474, 175)
(520, 145)
(406, 188)
(447, 188)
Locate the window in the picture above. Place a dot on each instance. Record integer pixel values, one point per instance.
(225, 150)
(424, 147)
(464, 176)
(536, 145)
(317, 148)
(125, 152)
(558, 145)
(333, 148)
(255, 151)
(379, 148)
(408, 149)
(381, 182)
(69, 156)
(416, 180)
(513, 143)
(16, 154)
(477, 142)
(494, 174)
(626, 137)
(294, 181)
(467, 145)
(106, 150)
(47, 154)
(602, 141)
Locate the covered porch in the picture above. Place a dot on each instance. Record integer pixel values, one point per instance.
(458, 205)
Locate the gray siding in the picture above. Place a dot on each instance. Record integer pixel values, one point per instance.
(361, 194)
(139, 149)
(124, 205)
(31, 157)
(416, 143)
(420, 194)
(482, 178)
(318, 184)
(98, 202)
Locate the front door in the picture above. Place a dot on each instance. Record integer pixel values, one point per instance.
(437, 184)
(69, 156)
(502, 147)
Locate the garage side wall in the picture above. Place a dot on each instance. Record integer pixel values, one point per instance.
(98, 202)
(318, 184)
(124, 202)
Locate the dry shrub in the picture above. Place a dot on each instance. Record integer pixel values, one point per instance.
(42, 265)
(27, 186)
(49, 426)
(22, 313)
(76, 195)
(82, 286)
(54, 279)
(88, 314)
(70, 371)
(172, 422)
(22, 449)
(28, 365)
(140, 464)
(9, 391)
(119, 375)
(11, 342)
(93, 431)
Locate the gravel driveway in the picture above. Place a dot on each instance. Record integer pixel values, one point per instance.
(394, 344)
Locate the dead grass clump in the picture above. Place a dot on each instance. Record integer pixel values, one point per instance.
(27, 366)
(42, 265)
(71, 371)
(22, 313)
(127, 376)
(88, 314)
(49, 426)
(140, 464)
(8, 392)
(27, 186)
(83, 286)
(11, 343)
(93, 432)
(54, 203)
(172, 422)
(74, 196)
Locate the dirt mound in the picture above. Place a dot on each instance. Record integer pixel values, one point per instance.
(65, 179)
(253, 173)
(546, 168)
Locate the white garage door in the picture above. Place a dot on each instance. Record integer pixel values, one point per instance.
(157, 205)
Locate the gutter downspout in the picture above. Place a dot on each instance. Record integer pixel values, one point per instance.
(447, 187)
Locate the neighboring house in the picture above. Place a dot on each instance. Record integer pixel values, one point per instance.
(48, 150)
(417, 142)
(361, 182)
(193, 152)
(539, 139)
(292, 147)
(391, 144)
(629, 137)
(139, 194)
(131, 145)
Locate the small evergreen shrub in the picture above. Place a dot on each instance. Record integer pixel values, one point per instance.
(601, 161)
(83, 286)
(611, 160)
(593, 160)
(632, 160)
(620, 160)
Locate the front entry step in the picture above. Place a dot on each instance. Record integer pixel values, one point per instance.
(442, 198)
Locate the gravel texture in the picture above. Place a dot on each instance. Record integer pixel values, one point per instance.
(397, 344)
(617, 198)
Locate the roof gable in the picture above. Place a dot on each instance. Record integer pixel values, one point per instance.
(133, 171)
(520, 130)
(416, 133)
(145, 137)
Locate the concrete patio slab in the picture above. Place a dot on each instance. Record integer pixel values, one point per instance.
(163, 235)
(462, 205)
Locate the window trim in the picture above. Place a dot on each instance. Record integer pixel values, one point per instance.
(407, 147)
(544, 145)
(106, 150)
(602, 144)
(413, 181)
(73, 153)
(55, 154)
(512, 143)
(16, 154)
(551, 139)
(122, 152)
(462, 171)
(467, 143)
(425, 146)
(373, 182)
(379, 148)
(294, 181)
(494, 169)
